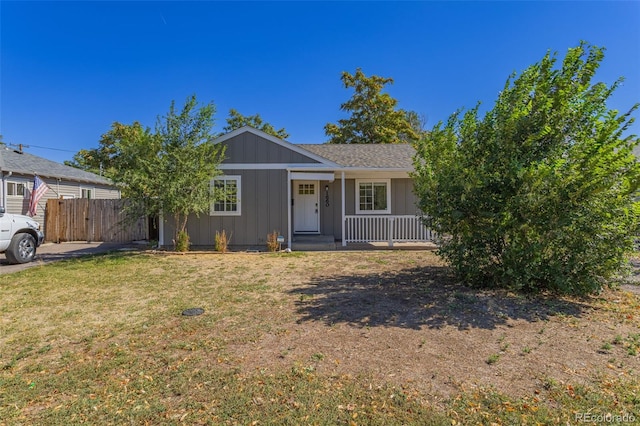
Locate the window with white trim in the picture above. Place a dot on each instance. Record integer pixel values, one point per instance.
(16, 189)
(227, 196)
(373, 196)
(86, 193)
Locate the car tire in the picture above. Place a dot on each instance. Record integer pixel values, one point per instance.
(22, 249)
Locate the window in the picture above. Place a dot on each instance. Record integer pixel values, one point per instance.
(86, 193)
(15, 189)
(306, 188)
(227, 196)
(373, 196)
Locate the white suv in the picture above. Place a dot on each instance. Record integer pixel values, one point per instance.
(19, 237)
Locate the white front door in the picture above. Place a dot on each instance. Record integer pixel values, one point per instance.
(306, 214)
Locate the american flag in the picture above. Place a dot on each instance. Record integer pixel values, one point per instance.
(39, 189)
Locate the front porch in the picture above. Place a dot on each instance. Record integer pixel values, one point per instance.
(386, 228)
(371, 233)
(350, 209)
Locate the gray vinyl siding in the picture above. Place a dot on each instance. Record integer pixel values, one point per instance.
(250, 148)
(330, 215)
(403, 200)
(263, 210)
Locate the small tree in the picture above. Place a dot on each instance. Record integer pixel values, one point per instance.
(237, 120)
(170, 170)
(539, 194)
(374, 117)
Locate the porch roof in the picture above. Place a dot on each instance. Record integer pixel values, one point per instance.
(374, 156)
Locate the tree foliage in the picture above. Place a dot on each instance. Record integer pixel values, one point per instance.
(539, 194)
(168, 170)
(237, 120)
(373, 114)
(89, 160)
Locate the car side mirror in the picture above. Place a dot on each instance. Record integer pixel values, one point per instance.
(2, 210)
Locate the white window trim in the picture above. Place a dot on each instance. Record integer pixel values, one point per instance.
(238, 180)
(88, 188)
(25, 190)
(357, 196)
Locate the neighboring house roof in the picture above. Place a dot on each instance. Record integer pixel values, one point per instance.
(374, 156)
(29, 164)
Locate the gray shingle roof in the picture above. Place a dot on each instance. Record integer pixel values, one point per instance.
(375, 156)
(25, 163)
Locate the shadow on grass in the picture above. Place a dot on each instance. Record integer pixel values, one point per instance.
(419, 297)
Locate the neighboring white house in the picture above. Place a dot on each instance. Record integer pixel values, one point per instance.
(17, 171)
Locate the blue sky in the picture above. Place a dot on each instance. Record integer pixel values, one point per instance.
(70, 69)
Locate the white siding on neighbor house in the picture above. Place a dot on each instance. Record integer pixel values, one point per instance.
(18, 204)
(57, 189)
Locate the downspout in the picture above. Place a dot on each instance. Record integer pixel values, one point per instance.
(4, 187)
(343, 197)
(3, 190)
(289, 234)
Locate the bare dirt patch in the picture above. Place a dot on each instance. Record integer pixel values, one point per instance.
(400, 318)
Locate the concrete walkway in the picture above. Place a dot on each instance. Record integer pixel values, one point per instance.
(51, 252)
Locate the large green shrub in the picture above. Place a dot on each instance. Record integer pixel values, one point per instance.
(539, 193)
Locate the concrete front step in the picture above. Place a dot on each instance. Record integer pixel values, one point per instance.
(313, 243)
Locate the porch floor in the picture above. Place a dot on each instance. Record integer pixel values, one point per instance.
(427, 245)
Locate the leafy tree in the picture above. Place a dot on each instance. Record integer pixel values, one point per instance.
(237, 120)
(102, 160)
(169, 170)
(86, 159)
(373, 114)
(418, 124)
(539, 193)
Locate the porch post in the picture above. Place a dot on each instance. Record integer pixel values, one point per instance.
(343, 197)
(3, 191)
(160, 230)
(289, 235)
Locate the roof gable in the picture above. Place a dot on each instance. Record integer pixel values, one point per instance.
(243, 146)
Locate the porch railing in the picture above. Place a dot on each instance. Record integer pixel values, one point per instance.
(387, 228)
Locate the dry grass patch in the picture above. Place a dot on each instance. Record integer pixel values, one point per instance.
(382, 337)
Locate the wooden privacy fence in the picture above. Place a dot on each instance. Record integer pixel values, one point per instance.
(89, 220)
